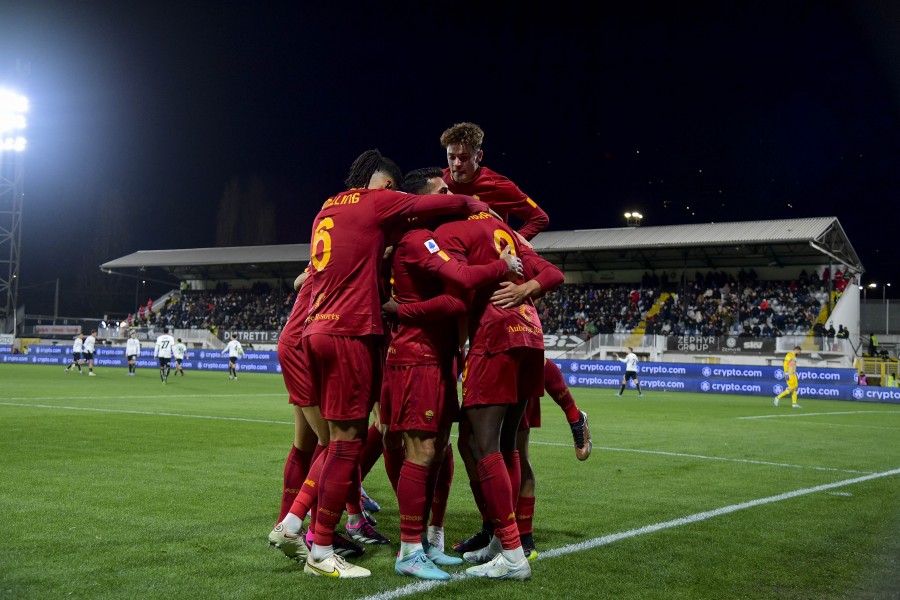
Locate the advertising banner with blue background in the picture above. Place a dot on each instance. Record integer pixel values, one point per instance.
(816, 383)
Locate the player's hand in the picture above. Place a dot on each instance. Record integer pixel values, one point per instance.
(513, 263)
(390, 308)
(387, 252)
(509, 295)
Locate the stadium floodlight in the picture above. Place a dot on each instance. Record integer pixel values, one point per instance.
(13, 107)
(633, 219)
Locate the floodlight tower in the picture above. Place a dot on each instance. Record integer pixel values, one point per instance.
(13, 107)
(634, 219)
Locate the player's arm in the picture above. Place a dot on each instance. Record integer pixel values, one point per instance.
(390, 207)
(442, 306)
(301, 278)
(536, 220)
(520, 205)
(546, 277)
(467, 276)
(424, 251)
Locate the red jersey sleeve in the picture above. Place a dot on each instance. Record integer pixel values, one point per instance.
(504, 197)
(440, 307)
(434, 260)
(509, 199)
(548, 275)
(391, 205)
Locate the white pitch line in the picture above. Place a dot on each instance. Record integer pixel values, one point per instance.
(819, 414)
(424, 586)
(148, 412)
(535, 442)
(704, 457)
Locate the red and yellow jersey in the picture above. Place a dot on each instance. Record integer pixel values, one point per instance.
(293, 328)
(504, 197)
(479, 240)
(347, 253)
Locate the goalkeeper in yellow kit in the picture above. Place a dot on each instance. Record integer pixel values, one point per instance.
(790, 374)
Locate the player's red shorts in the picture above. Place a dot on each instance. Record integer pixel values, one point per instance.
(503, 378)
(295, 370)
(419, 398)
(532, 417)
(342, 373)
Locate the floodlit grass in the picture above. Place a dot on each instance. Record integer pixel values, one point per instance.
(115, 487)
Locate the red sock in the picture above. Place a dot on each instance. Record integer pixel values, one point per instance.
(308, 495)
(556, 387)
(442, 488)
(498, 495)
(411, 494)
(334, 484)
(371, 452)
(354, 497)
(508, 536)
(296, 468)
(514, 468)
(393, 462)
(525, 514)
(433, 472)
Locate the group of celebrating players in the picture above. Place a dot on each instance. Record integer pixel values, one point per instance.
(404, 273)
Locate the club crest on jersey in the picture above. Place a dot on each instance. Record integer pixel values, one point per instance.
(432, 246)
(429, 415)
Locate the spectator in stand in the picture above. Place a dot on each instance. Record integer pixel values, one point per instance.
(830, 334)
(873, 345)
(839, 280)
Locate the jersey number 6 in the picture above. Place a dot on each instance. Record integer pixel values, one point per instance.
(322, 237)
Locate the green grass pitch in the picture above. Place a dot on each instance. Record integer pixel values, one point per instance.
(120, 487)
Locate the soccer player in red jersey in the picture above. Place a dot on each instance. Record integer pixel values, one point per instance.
(296, 379)
(341, 332)
(465, 174)
(420, 404)
(503, 371)
(542, 277)
(309, 441)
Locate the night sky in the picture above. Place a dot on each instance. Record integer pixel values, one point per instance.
(142, 113)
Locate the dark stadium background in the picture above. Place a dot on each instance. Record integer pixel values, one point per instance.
(181, 125)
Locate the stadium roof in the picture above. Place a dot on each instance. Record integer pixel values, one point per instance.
(715, 246)
(236, 262)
